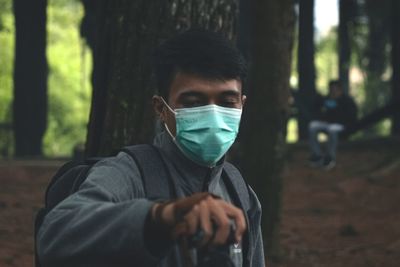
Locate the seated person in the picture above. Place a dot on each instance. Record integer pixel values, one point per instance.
(335, 112)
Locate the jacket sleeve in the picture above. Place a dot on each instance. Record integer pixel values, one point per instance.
(257, 258)
(103, 223)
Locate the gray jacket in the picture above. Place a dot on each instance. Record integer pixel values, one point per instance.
(105, 223)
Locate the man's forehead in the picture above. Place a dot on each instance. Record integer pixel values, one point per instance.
(193, 84)
(199, 93)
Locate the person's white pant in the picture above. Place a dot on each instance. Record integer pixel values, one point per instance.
(331, 129)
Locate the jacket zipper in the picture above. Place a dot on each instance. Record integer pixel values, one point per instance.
(207, 180)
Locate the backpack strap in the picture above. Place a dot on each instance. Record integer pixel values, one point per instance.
(238, 190)
(157, 181)
(234, 179)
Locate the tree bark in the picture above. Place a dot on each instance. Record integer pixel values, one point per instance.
(244, 28)
(101, 67)
(396, 67)
(30, 77)
(265, 112)
(378, 33)
(306, 66)
(89, 21)
(346, 11)
(123, 83)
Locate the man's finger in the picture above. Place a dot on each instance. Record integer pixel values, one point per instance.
(205, 221)
(192, 220)
(238, 216)
(220, 217)
(240, 222)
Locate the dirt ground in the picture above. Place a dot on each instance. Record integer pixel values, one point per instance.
(22, 185)
(347, 217)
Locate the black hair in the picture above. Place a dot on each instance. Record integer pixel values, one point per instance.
(201, 52)
(336, 83)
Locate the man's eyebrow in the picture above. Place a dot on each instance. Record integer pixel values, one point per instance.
(228, 92)
(231, 92)
(191, 94)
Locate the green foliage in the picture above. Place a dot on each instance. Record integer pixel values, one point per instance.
(68, 82)
(326, 61)
(6, 59)
(69, 89)
(371, 58)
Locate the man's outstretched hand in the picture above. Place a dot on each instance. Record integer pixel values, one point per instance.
(201, 210)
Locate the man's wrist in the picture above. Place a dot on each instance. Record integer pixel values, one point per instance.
(163, 213)
(157, 234)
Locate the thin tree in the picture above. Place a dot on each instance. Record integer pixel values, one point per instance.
(128, 31)
(262, 139)
(346, 14)
(30, 77)
(378, 14)
(396, 67)
(305, 66)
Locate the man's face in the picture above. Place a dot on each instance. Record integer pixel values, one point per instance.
(190, 90)
(335, 91)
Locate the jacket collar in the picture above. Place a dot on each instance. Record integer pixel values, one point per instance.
(194, 177)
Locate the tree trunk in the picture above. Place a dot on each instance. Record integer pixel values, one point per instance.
(396, 66)
(378, 20)
(101, 67)
(306, 66)
(244, 28)
(123, 83)
(89, 21)
(265, 112)
(30, 77)
(346, 11)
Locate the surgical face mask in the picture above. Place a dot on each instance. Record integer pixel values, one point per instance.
(205, 133)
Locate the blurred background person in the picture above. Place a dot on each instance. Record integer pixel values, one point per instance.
(335, 112)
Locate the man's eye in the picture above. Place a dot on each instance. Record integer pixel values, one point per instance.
(192, 103)
(229, 103)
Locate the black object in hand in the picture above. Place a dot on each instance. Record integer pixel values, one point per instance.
(195, 240)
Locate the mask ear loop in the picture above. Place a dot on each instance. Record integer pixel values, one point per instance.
(168, 131)
(165, 103)
(165, 125)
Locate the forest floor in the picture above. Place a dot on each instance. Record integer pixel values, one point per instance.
(347, 217)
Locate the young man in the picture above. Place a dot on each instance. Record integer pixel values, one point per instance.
(111, 222)
(335, 112)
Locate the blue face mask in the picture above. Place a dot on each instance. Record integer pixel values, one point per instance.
(330, 103)
(204, 134)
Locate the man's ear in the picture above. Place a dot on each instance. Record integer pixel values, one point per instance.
(158, 106)
(244, 97)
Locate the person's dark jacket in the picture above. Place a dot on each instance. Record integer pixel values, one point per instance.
(342, 110)
(106, 222)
